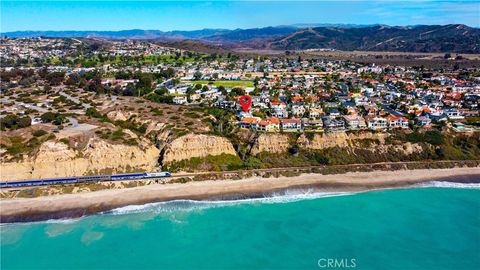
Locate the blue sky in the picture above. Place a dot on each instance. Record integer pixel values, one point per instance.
(188, 15)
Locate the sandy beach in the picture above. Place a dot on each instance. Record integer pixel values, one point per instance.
(76, 205)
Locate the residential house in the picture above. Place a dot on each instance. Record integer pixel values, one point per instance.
(374, 122)
(298, 110)
(248, 122)
(270, 124)
(312, 124)
(453, 114)
(354, 122)
(333, 124)
(180, 100)
(333, 112)
(397, 121)
(371, 110)
(423, 121)
(315, 113)
(291, 125)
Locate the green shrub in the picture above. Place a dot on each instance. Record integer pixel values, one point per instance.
(39, 132)
(221, 162)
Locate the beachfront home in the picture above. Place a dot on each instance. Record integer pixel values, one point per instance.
(374, 122)
(397, 121)
(424, 121)
(315, 113)
(453, 114)
(291, 125)
(333, 124)
(312, 124)
(248, 122)
(354, 122)
(270, 124)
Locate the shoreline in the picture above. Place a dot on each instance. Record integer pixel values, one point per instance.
(81, 204)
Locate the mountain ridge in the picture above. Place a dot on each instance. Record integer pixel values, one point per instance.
(457, 38)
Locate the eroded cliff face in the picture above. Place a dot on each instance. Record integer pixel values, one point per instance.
(196, 145)
(340, 139)
(56, 159)
(272, 143)
(365, 142)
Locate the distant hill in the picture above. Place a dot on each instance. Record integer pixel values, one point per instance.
(422, 38)
(456, 38)
(123, 34)
(240, 35)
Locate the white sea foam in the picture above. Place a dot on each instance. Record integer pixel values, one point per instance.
(194, 205)
(286, 196)
(445, 184)
(49, 221)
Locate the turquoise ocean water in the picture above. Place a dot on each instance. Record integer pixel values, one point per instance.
(416, 228)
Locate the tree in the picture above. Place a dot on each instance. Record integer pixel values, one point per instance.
(73, 79)
(145, 81)
(24, 122)
(92, 112)
(169, 73)
(221, 88)
(129, 90)
(197, 75)
(12, 121)
(55, 78)
(237, 92)
(47, 117)
(161, 91)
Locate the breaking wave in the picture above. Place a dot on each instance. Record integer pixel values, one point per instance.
(445, 184)
(195, 205)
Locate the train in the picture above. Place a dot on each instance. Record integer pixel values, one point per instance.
(82, 179)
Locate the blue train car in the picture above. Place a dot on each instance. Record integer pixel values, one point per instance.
(59, 181)
(128, 176)
(38, 182)
(158, 174)
(93, 178)
(69, 180)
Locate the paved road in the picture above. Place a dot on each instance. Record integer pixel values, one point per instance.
(73, 121)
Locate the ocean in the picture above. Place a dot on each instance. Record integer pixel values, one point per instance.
(435, 226)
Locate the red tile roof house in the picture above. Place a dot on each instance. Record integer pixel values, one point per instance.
(291, 125)
(247, 122)
(397, 121)
(271, 124)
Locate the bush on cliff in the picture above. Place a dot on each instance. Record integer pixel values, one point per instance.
(223, 162)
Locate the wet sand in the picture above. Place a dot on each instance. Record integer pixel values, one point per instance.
(76, 205)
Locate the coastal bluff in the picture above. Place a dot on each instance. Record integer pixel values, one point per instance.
(196, 145)
(339, 139)
(56, 159)
(271, 143)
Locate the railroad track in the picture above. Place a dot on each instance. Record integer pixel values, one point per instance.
(283, 169)
(300, 168)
